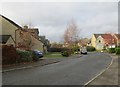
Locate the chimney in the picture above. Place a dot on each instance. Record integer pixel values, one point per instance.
(25, 27)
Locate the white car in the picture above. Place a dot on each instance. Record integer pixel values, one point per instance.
(83, 51)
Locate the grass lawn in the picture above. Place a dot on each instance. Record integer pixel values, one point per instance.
(53, 55)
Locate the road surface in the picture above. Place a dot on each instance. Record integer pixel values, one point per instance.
(74, 71)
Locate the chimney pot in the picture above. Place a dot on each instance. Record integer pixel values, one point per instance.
(25, 27)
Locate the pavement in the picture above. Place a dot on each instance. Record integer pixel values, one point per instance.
(110, 76)
(43, 61)
(71, 71)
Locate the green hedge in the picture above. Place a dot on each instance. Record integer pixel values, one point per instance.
(34, 56)
(117, 51)
(25, 56)
(90, 48)
(111, 50)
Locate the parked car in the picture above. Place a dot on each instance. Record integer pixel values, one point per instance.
(84, 51)
(37, 55)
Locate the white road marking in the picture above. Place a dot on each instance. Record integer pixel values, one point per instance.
(99, 74)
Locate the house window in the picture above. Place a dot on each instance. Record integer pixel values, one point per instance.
(99, 41)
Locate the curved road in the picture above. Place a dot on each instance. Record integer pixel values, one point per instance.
(73, 71)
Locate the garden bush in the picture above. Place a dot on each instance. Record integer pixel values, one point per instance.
(34, 56)
(117, 51)
(25, 56)
(75, 49)
(55, 49)
(9, 54)
(65, 53)
(90, 48)
(111, 50)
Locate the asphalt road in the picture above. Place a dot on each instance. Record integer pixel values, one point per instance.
(74, 71)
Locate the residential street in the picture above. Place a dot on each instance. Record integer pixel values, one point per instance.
(110, 76)
(73, 71)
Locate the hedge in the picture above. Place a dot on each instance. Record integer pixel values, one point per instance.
(9, 55)
(65, 53)
(111, 50)
(90, 48)
(34, 56)
(25, 56)
(117, 51)
(58, 49)
(12, 56)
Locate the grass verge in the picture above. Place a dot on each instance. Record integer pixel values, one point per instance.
(53, 55)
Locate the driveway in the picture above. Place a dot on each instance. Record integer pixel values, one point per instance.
(73, 71)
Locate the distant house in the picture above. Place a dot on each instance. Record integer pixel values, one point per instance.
(33, 31)
(117, 37)
(21, 37)
(103, 41)
(46, 43)
(93, 39)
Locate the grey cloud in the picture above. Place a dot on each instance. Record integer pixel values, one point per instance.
(52, 17)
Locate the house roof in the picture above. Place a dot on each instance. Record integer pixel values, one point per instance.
(12, 22)
(33, 30)
(4, 38)
(118, 36)
(104, 36)
(107, 36)
(97, 35)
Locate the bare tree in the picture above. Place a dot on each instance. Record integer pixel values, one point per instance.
(71, 34)
(25, 40)
(84, 41)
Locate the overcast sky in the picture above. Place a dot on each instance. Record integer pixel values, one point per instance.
(52, 17)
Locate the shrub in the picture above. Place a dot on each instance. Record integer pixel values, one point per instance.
(55, 49)
(90, 48)
(25, 56)
(117, 51)
(111, 50)
(104, 48)
(75, 49)
(34, 56)
(58, 49)
(9, 54)
(65, 53)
